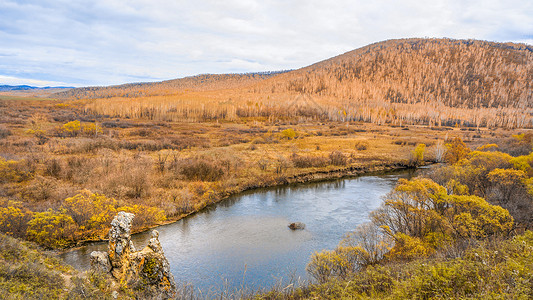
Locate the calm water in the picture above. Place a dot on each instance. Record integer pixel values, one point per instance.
(245, 240)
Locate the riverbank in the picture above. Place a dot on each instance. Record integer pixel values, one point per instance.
(250, 231)
(67, 173)
(302, 178)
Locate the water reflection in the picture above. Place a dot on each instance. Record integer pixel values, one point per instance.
(213, 248)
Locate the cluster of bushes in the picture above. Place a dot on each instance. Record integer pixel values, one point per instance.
(474, 199)
(210, 166)
(14, 171)
(85, 216)
(201, 168)
(418, 218)
(493, 269)
(308, 161)
(496, 176)
(38, 203)
(75, 128)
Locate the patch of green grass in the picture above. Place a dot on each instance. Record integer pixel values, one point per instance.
(27, 274)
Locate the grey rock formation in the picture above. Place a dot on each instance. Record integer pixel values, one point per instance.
(120, 244)
(147, 271)
(297, 226)
(100, 261)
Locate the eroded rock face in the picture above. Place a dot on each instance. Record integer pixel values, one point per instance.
(120, 244)
(152, 267)
(147, 270)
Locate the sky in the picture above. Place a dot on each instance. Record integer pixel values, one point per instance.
(105, 42)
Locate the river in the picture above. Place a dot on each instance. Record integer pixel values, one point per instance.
(245, 241)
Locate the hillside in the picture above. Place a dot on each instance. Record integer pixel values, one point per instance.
(204, 82)
(456, 73)
(428, 81)
(432, 82)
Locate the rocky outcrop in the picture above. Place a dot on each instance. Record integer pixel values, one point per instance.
(297, 226)
(100, 262)
(146, 271)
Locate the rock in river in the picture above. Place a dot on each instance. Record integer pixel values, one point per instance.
(297, 226)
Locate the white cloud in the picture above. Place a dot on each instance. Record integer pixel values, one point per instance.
(116, 41)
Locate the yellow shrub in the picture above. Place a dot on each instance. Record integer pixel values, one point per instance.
(14, 218)
(524, 163)
(72, 128)
(487, 147)
(472, 216)
(91, 129)
(327, 264)
(53, 229)
(408, 247)
(11, 170)
(529, 185)
(288, 133)
(418, 154)
(91, 212)
(456, 150)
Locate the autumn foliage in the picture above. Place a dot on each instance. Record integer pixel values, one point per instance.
(84, 216)
(482, 195)
(435, 82)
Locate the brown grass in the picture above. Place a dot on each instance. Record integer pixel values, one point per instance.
(179, 166)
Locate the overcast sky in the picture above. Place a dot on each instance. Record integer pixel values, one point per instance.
(103, 42)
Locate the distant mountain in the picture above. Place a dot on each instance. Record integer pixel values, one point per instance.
(4, 88)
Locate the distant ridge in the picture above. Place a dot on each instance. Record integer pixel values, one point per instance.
(202, 82)
(4, 88)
